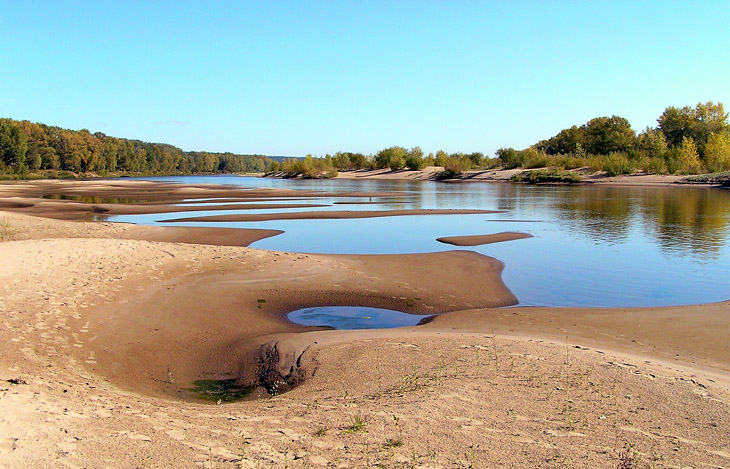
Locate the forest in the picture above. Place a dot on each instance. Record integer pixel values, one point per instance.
(687, 140)
(37, 150)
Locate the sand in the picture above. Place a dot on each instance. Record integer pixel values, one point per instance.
(101, 337)
(329, 215)
(477, 240)
(432, 173)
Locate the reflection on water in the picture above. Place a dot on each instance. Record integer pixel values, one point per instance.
(592, 245)
(683, 221)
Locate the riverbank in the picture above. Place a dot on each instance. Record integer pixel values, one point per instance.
(102, 338)
(432, 173)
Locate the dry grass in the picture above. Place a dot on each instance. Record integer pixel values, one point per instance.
(7, 231)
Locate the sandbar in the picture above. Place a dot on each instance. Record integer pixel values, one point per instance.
(477, 240)
(329, 215)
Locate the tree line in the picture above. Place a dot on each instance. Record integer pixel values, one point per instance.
(687, 140)
(394, 158)
(27, 147)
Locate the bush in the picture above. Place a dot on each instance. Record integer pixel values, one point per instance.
(546, 176)
(567, 161)
(414, 162)
(652, 165)
(536, 160)
(453, 167)
(511, 158)
(717, 152)
(492, 163)
(616, 164)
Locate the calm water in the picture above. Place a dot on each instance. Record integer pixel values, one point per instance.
(592, 245)
(354, 317)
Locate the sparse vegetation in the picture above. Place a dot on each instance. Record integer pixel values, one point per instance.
(357, 424)
(714, 178)
(392, 443)
(7, 231)
(220, 390)
(546, 176)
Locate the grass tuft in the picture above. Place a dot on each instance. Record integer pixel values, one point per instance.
(357, 424)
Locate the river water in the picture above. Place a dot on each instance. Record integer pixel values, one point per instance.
(592, 245)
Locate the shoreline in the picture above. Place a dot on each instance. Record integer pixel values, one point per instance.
(503, 176)
(109, 332)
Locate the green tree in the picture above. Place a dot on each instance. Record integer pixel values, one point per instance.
(384, 157)
(441, 159)
(684, 158)
(564, 142)
(604, 135)
(397, 162)
(510, 157)
(414, 159)
(652, 143)
(13, 145)
(697, 123)
(717, 152)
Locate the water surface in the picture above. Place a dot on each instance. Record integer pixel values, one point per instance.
(354, 317)
(592, 245)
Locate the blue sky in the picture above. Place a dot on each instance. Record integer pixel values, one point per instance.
(290, 78)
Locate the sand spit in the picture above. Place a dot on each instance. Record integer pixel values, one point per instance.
(433, 173)
(90, 200)
(477, 240)
(160, 191)
(99, 334)
(329, 215)
(71, 210)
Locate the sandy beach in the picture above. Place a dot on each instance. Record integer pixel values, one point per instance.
(432, 173)
(105, 328)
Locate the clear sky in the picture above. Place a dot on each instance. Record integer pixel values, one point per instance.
(289, 78)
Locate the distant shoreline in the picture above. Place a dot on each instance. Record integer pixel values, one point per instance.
(432, 173)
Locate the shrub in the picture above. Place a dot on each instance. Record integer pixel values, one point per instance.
(414, 162)
(567, 161)
(546, 176)
(510, 157)
(652, 165)
(717, 152)
(397, 162)
(536, 160)
(616, 164)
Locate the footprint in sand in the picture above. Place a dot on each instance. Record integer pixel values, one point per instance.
(7, 445)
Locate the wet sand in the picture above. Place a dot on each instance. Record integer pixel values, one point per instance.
(330, 215)
(102, 337)
(478, 240)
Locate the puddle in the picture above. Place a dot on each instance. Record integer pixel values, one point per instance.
(354, 317)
